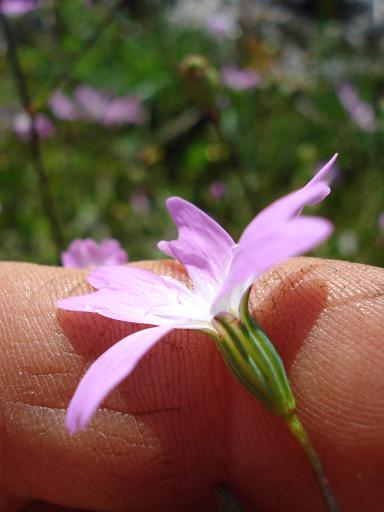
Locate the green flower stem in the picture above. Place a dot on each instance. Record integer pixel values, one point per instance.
(299, 433)
(254, 361)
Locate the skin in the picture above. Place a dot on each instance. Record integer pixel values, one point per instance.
(181, 424)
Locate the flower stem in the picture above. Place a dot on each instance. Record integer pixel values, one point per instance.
(299, 433)
(254, 361)
(34, 140)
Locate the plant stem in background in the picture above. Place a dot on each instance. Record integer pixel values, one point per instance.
(34, 139)
(58, 20)
(87, 45)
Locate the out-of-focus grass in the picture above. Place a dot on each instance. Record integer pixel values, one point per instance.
(260, 144)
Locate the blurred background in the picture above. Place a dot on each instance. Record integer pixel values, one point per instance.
(108, 107)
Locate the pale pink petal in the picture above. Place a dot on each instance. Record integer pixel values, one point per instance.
(239, 79)
(217, 190)
(14, 8)
(110, 252)
(380, 221)
(43, 126)
(77, 254)
(258, 254)
(22, 124)
(292, 204)
(222, 25)
(359, 111)
(127, 109)
(323, 175)
(136, 295)
(107, 372)
(91, 101)
(87, 253)
(203, 245)
(63, 107)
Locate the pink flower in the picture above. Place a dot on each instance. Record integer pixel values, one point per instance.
(380, 221)
(220, 270)
(222, 26)
(15, 8)
(359, 111)
(217, 190)
(88, 253)
(124, 110)
(21, 125)
(96, 106)
(102, 108)
(335, 175)
(92, 102)
(63, 107)
(239, 79)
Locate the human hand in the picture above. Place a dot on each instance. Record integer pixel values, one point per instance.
(181, 424)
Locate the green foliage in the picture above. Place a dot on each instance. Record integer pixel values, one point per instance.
(265, 141)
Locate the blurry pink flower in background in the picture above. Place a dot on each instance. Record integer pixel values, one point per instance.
(62, 107)
(140, 203)
(87, 253)
(97, 106)
(380, 221)
(92, 102)
(21, 125)
(14, 8)
(222, 26)
(361, 112)
(124, 110)
(239, 79)
(217, 190)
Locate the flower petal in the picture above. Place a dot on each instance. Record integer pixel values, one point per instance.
(110, 252)
(256, 255)
(203, 245)
(78, 253)
(292, 204)
(323, 175)
(107, 372)
(83, 253)
(136, 295)
(14, 8)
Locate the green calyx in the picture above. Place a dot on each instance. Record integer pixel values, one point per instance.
(253, 359)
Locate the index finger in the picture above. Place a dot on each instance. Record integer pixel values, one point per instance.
(181, 424)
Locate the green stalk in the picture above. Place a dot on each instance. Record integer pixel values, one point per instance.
(254, 361)
(299, 433)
